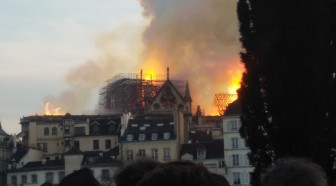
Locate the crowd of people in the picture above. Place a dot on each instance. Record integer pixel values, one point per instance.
(284, 172)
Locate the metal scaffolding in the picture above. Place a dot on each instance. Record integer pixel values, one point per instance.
(222, 100)
(131, 92)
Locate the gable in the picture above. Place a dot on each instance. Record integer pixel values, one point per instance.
(167, 99)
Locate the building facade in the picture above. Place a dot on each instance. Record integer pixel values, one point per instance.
(25, 170)
(235, 151)
(149, 139)
(55, 135)
(209, 154)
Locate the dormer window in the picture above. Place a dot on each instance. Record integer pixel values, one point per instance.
(154, 136)
(130, 137)
(143, 128)
(201, 154)
(142, 137)
(166, 135)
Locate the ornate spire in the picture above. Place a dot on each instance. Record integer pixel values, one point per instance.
(187, 96)
(198, 111)
(167, 73)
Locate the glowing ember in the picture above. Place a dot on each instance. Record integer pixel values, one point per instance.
(55, 111)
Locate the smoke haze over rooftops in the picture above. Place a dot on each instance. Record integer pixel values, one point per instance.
(198, 40)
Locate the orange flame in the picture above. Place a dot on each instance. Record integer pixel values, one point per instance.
(150, 75)
(56, 111)
(229, 95)
(235, 81)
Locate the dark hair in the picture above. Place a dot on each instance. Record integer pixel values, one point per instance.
(177, 173)
(83, 177)
(218, 180)
(294, 172)
(133, 173)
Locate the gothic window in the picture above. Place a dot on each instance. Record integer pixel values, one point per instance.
(168, 100)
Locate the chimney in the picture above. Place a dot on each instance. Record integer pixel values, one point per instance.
(14, 143)
(44, 160)
(73, 160)
(124, 122)
(199, 115)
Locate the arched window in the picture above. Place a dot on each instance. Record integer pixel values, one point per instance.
(46, 131)
(54, 131)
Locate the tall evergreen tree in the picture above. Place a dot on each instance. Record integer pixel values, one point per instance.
(288, 89)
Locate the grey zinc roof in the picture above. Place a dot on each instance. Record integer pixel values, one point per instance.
(18, 155)
(214, 149)
(38, 165)
(148, 127)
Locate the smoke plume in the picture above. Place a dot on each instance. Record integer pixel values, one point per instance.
(196, 39)
(118, 52)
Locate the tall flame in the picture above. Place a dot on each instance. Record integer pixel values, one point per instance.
(55, 111)
(150, 75)
(235, 76)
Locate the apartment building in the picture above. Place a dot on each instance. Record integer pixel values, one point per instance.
(209, 153)
(235, 151)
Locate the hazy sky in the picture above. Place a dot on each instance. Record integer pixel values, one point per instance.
(42, 40)
(63, 52)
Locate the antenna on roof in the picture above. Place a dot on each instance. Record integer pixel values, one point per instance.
(141, 74)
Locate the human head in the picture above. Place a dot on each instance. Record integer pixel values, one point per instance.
(83, 177)
(218, 180)
(177, 173)
(133, 173)
(294, 172)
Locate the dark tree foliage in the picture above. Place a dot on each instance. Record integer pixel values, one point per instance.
(288, 91)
